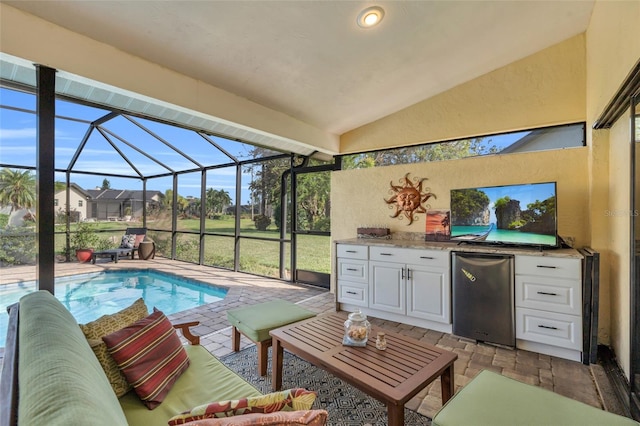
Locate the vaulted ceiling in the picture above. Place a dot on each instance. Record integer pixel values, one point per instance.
(309, 59)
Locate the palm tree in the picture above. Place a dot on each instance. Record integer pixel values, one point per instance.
(17, 189)
(216, 201)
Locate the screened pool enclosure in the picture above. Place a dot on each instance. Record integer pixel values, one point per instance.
(208, 192)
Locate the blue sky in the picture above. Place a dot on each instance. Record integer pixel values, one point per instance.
(18, 146)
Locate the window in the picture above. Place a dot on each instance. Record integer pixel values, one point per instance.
(79, 203)
(55, 202)
(546, 138)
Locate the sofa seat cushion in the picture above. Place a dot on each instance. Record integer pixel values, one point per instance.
(205, 380)
(280, 418)
(61, 381)
(496, 400)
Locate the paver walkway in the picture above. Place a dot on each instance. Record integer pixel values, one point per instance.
(568, 378)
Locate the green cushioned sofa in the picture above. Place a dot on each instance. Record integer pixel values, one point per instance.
(51, 376)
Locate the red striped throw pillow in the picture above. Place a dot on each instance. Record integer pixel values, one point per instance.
(150, 355)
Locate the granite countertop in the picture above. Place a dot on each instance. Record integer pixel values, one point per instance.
(454, 246)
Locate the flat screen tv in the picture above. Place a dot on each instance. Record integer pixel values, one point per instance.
(523, 214)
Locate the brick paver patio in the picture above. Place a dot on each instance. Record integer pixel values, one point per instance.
(568, 378)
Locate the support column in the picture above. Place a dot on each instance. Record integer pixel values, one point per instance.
(45, 177)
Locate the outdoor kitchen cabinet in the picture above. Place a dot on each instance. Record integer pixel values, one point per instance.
(411, 282)
(353, 274)
(401, 284)
(548, 303)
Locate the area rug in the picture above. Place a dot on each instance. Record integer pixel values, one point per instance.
(347, 406)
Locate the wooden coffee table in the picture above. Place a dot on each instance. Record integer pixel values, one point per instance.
(392, 376)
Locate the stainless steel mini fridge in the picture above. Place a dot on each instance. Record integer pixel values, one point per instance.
(483, 297)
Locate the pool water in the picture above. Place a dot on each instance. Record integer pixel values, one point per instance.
(89, 296)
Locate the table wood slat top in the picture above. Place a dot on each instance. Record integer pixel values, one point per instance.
(396, 374)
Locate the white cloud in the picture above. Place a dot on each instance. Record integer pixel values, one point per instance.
(28, 149)
(31, 133)
(25, 133)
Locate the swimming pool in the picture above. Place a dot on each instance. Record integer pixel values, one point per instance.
(89, 296)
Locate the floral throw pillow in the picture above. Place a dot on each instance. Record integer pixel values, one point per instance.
(288, 400)
(280, 418)
(128, 241)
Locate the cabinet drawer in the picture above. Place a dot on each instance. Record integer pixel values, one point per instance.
(352, 251)
(550, 328)
(549, 294)
(438, 258)
(353, 270)
(549, 266)
(353, 293)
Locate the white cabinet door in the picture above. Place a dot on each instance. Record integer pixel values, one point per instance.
(428, 293)
(387, 287)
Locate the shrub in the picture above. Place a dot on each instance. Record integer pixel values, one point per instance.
(17, 246)
(262, 222)
(84, 237)
(4, 220)
(323, 224)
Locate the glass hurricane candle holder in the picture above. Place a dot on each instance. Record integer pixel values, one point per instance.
(356, 329)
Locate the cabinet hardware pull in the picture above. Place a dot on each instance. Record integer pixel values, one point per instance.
(403, 273)
(427, 257)
(386, 254)
(352, 292)
(351, 251)
(546, 326)
(547, 266)
(408, 273)
(546, 293)
(352, 269)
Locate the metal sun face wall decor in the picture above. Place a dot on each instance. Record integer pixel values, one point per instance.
(408, 198)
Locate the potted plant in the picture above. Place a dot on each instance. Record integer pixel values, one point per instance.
(83, 241)
(127, 214)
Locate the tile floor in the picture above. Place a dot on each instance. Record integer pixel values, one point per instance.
(568, 378)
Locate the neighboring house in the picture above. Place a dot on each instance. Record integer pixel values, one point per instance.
(114, 204)
(78, 202)
(541, 139)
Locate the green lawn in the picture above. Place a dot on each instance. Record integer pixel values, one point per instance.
(256, 256)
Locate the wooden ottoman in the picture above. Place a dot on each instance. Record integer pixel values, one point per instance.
(256, 321)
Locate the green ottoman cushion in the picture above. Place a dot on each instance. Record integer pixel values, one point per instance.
(256, 321)
(496, 400)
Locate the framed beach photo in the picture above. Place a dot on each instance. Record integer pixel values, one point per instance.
(438, 225)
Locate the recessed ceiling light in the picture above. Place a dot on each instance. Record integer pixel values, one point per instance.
(370, 16)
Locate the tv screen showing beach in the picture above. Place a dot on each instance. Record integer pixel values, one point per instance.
(512, 214)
